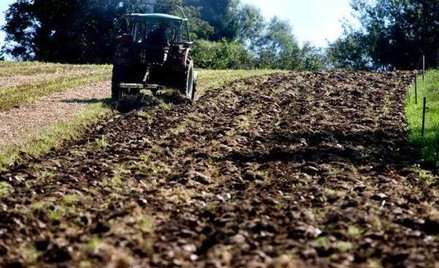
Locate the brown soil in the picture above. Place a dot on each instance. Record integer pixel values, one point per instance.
(303, 169)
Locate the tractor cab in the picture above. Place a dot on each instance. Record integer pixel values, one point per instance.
(156, 34)
(153, 52)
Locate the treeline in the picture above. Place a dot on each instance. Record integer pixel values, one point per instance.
(393, 34)
(228, 34)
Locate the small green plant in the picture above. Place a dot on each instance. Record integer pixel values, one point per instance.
(86, 264)
(145, 224)
(102, 143)
(54, 215)
(70, 199)
(374, 263)
(38, 205)
(30, 254)
(144, 157)
(165, 106)
(5, 189)
(94, 244)
(344, 246)
(424, 174)
(355, 231)
(323, 242)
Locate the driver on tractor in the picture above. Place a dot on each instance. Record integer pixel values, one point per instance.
(157, 38)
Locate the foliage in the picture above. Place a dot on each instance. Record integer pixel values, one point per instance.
(61, 31)
(20, 30)
(312, 58)
(277, 48)
(393, 34)
(250, 25)
(221, 15)
(222, 55)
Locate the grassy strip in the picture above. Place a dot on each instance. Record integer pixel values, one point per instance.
(208, 79)
(16, 96)
(10, 69)
(57, 134)
(428, 88)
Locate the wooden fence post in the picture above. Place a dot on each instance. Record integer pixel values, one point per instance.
(423, 67)
(424, 108)
(416, 89)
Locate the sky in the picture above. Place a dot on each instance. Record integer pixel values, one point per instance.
(3, 7)
(316, 21)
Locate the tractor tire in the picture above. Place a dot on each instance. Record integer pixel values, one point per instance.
(189, 81)
(124, 61)
(119, 74)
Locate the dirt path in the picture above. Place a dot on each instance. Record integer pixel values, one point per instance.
(26, 123)
(292, 170)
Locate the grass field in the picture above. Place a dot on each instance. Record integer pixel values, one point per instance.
(429, 88)
(24, 82)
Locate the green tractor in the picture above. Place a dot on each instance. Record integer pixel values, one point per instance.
(153, 53)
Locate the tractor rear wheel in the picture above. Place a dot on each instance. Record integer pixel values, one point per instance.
(189, 81)
(120, 74)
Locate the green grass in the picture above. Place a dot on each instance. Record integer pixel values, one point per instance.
(428, 88)
(57, 134)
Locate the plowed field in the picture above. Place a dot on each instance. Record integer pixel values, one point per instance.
(288, 170)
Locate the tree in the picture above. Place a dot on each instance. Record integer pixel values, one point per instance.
(222, 55)
(278, 48)
(75, 31)
(20, 30)
(199, 28)
(312, 58)
(351, 51)
(222, 15)
(393, 34)
(250, 25)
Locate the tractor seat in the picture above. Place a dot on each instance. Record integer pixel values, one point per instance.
(154, 54)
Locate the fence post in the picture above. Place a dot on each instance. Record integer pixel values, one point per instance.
(423, 67)
(416, 89)
(424, 108)
(437, 58)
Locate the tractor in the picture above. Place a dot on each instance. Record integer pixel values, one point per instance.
(153, 53)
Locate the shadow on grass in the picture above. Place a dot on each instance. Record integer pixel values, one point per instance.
(106, 102)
